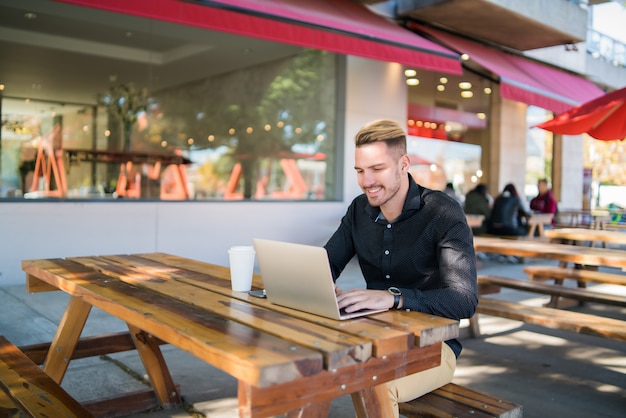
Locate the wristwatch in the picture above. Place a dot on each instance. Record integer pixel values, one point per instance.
(396, 296)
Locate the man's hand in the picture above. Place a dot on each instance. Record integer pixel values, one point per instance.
(357, 299)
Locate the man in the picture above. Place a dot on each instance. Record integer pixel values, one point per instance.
(544, 202)
(413, 245)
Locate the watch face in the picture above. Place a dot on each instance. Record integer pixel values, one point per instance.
(394, 291)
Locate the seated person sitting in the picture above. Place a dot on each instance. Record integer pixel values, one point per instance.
(508, 216)
(478, 202)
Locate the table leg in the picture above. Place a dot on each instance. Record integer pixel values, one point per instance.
(247, 394)
(64, 342)
(373, 402)
(154, 363)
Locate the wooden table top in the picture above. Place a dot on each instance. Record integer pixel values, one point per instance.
(276, 353)
(552, 251)
(584, 234)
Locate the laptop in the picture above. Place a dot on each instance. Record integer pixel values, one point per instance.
(299, 277)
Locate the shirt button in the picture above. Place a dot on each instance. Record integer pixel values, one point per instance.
(388, 226)
(387, 277)
(386, 252)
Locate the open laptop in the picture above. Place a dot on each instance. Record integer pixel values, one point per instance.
(299, 277)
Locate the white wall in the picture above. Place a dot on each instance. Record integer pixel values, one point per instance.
(572, 164)
(198, 230)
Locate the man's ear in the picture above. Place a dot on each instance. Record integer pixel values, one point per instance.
(405, 162)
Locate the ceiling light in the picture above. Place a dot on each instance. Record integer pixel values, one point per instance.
(412, 81)
(481, 115)
(487, 90)
(30, 16)
(443, 80)
(465, 57)
(441, 87)
(410, 73)
(1, 87)
(465, 85)
(466, 94)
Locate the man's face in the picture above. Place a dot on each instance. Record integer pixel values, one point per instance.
(542, 186)
(379, 172)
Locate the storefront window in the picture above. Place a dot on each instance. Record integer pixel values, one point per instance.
(170, 124)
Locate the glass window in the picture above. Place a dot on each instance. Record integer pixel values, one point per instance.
(138, 109)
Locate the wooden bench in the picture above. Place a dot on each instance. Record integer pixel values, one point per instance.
(551, 318)
(554, 290)
(30, 390)
(581, 275)
(453, 400)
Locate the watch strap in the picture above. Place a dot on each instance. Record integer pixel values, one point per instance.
(396, 301)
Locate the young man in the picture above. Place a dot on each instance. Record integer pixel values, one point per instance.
(413, 245)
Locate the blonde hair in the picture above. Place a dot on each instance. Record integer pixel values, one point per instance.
(383, 130)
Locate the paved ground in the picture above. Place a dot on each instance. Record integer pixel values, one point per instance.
(551, 373)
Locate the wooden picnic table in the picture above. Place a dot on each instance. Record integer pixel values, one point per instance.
(537, 222)
(285, 361)
(552, 251)
(590, 235)
(593, 219)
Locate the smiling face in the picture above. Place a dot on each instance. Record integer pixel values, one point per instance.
(382, 175)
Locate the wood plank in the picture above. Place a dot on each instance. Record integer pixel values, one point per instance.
(34, 285)
(581, 234)
(64, 341)
(555, 290)
(92, 346)
(339, 349)
(212, 270)
(428, 329)
(32, 391)
(582, 275)
(478, 401)
(124, 404)
(240, 351)
(154, 363)
(555, 318)
(385, 340)
(560, 252)
(270, 401)
(444, 404)
(372, 402)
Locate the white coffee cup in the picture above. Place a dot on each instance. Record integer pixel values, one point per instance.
(241, 267)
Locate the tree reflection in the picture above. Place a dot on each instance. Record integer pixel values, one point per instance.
(256, 113)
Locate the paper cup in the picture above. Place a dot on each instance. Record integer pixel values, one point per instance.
(241, 267)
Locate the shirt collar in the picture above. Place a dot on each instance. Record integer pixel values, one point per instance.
(414, 201)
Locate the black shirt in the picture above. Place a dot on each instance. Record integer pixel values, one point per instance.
(427, 252)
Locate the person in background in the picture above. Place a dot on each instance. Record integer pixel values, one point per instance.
(413, 245)
(508, 215)
(478, 202)
(544, 202)
(449, 190)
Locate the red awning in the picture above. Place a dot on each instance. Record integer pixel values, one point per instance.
(602, 118)
(521, 79)
(339, 26)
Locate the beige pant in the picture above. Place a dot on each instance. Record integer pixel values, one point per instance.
(413, 386)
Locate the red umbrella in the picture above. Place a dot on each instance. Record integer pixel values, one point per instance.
(602, 118)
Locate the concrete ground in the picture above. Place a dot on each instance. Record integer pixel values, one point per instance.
(551, 373)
